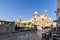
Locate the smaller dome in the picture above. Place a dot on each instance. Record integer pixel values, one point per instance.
(19, 19)
(45, 13)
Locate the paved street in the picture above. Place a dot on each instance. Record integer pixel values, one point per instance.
(23, 36)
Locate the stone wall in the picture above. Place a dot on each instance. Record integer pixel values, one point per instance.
(3, 29)
(7, 29)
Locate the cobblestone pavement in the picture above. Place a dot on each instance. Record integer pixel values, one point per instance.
(22, 36)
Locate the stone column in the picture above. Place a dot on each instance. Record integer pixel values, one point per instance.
(13, 28)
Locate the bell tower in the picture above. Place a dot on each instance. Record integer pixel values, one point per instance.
(58, 13)
(58, 10)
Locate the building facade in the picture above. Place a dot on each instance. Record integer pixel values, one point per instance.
(39, 20)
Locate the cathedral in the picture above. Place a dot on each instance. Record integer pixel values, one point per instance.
(39, 20)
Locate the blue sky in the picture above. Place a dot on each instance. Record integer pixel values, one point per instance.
(12, 9)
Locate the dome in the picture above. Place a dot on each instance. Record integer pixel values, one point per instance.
(36, 13)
